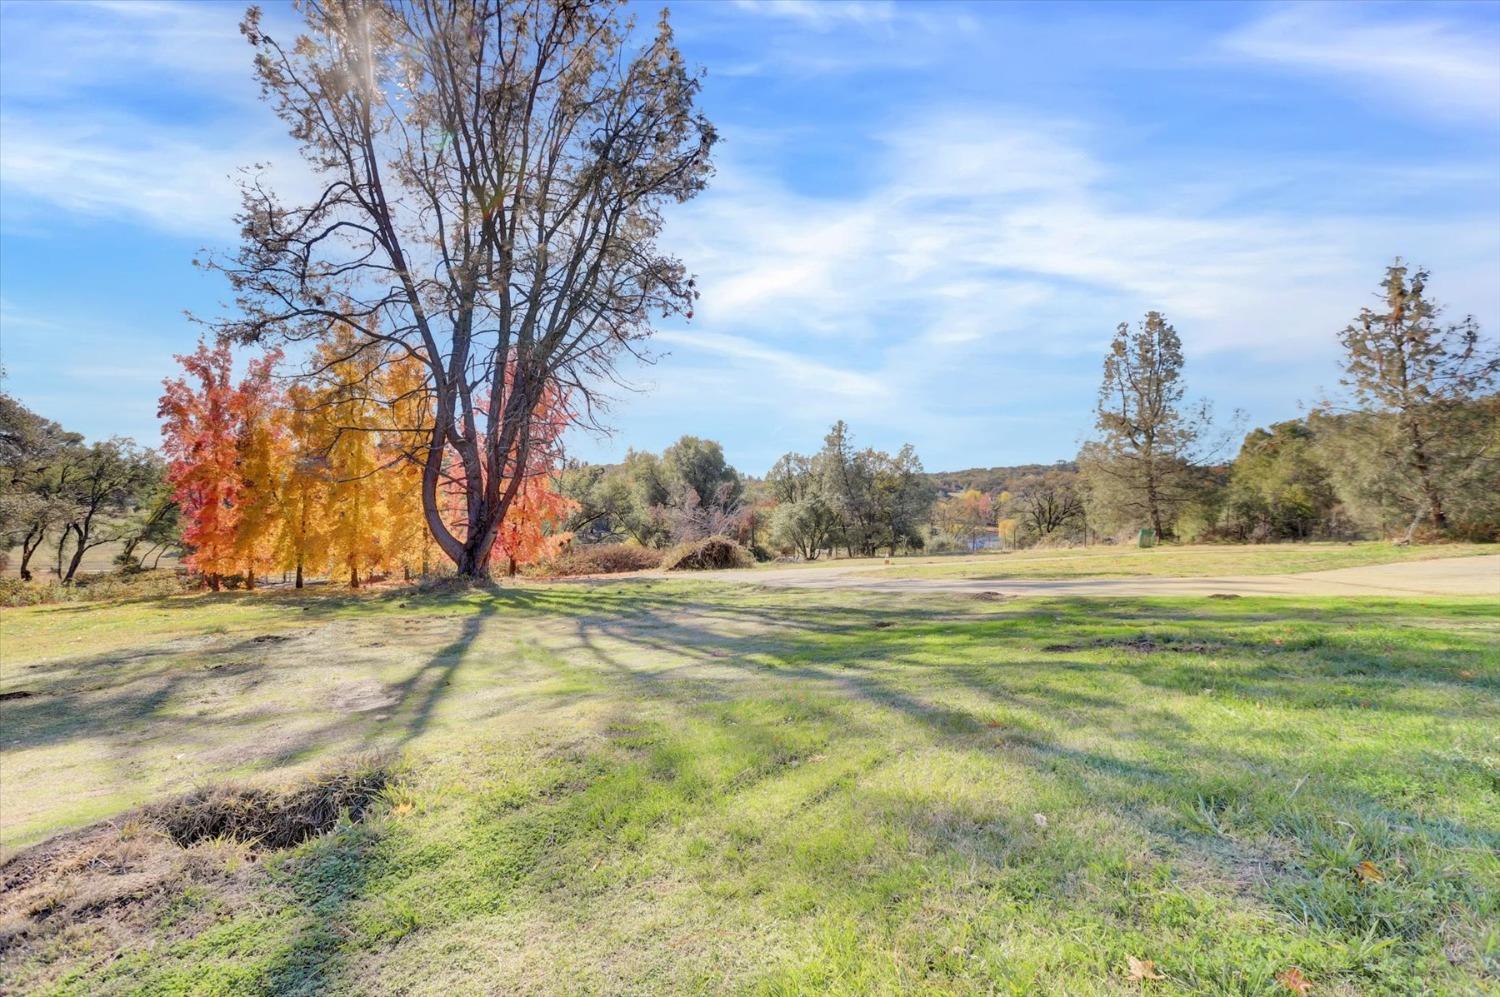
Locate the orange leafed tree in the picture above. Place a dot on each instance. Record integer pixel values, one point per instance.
(264, 459)
(203, 420)
(402, 450)
(346, 420)
(300, 540)
(327, 476)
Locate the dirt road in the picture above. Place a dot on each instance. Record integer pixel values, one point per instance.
(1446, 576)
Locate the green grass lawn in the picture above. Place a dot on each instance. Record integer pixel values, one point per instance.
(669, 787)
(1200, 561)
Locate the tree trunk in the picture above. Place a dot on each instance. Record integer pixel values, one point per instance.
(213, 581)
(250, 577)
(62, 545)
(298, 582)
(28, 548)
(472, 564)
(353, 577)
(510, 569)
(78, 553)
(1423, 465)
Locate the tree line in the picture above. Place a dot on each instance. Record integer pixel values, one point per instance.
(1411, 446)
(843, 498)
(63, 497)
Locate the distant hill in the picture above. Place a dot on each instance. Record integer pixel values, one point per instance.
(991, 479)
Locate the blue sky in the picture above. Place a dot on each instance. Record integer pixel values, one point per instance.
(927, 219)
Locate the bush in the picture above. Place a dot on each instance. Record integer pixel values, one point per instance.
(151, 584)
(944, 544)
(707, 554)
(600, 559)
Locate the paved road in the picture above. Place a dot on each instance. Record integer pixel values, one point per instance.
(1444, 576)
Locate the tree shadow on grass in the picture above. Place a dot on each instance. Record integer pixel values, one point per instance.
(844, 676)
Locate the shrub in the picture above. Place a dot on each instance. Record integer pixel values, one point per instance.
(600, 559)
(707, 554)
(944, 544)
(95, 588)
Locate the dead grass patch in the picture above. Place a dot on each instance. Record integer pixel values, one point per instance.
(272, 817)
(120, 877)
(1139, 644)
(708, 554)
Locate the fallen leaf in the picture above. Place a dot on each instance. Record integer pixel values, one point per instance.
(1142, 969)
(1369, 872)
(1294, 981)
(1039, 819)
(1466, 675)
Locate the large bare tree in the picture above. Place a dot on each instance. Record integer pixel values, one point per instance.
(492, 177)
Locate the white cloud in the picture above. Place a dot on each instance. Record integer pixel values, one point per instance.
(794, 370)
(136, 110)
(824, 15)
(1440, 67)
(174, 180)
(56, 50)
(978, 276)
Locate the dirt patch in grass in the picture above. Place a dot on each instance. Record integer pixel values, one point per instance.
(1139, 644)
(124, 879)
(362, 697)
(16, 694)
(271, 817)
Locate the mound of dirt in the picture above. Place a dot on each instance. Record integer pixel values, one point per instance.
(707, 554)
(271, 817)
(116, 878)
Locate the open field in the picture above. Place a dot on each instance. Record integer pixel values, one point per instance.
(1188, 561)
(96, 559)
(1432, 577)
(683, 786)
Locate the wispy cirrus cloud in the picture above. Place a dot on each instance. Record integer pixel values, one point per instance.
(1436, 65)
(972, 283)
(132, 110)
(171, 179)
(902, 233)
(824, 15)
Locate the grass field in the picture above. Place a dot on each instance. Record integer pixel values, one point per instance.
(668, 787)
(1200, 561)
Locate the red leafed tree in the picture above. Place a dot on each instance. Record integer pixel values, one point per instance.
(525, 536)
(203, 418)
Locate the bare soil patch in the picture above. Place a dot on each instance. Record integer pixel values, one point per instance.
(121, 878)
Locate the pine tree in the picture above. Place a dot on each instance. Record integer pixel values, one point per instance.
(1400, 361)
(1142, 464)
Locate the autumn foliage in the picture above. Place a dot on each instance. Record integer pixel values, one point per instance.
(324, 477)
